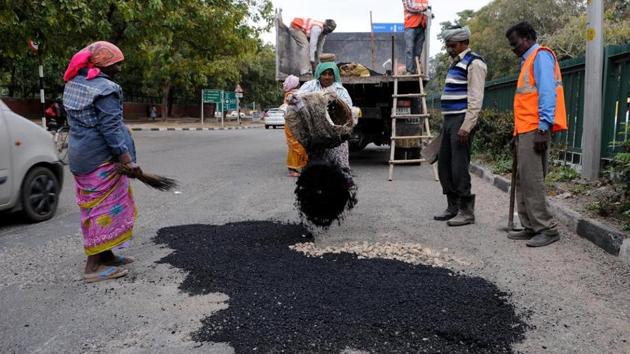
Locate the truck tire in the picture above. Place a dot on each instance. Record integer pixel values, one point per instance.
(357, 142)
(40, 194)
(407, 154)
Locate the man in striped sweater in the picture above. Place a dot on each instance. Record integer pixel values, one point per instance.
(461, 102)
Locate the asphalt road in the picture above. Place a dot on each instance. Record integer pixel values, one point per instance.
(572, 295)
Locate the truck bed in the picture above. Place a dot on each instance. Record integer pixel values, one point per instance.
(371, 50)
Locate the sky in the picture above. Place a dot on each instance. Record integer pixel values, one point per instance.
(354, 15)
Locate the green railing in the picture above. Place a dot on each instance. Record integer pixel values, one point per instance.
(499, 95)
(616, 100)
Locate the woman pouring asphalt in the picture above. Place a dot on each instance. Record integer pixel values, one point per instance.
(320, 112)
(327, 78)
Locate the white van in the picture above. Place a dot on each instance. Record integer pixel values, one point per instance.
(31, 174)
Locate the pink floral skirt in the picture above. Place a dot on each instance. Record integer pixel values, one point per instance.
(108, 211)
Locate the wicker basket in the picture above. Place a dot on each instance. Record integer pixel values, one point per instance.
(319, 120)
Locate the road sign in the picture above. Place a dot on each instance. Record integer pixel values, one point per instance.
(229, 98)
(388, 27)
(211, 96)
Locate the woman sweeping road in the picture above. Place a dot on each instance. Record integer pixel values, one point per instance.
(99, 142)
(296, 156)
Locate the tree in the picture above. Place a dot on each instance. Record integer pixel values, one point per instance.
(170, 46)
(259, 78)
(198, 44)
(560, 24)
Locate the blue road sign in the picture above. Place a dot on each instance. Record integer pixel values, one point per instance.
(388, 27)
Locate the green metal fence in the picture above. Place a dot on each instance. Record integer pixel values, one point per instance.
(616, 98)
(499, 95)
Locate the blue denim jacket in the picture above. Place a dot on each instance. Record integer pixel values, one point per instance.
(95, 115)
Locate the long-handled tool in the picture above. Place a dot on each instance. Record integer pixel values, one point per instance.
(510, 225)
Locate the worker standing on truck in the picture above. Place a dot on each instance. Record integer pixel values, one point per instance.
(415, 27)
(309, 36)
(461, 103)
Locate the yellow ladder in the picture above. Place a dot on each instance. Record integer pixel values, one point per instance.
(422, 117)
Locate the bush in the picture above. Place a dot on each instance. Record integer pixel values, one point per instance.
(619, 174)
(502, 165)
(493, 135)
(562, 174)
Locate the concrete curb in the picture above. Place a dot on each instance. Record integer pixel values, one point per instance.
(609, 239)
(163, 129)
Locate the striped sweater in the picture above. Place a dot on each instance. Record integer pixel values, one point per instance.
(455, 96)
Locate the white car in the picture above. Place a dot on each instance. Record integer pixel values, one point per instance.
(31, 174)
(274, 117)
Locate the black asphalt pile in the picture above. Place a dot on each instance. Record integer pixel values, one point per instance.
(283, 301)
(323, 193)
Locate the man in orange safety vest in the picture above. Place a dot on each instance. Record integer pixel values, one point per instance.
(309, 35)
(539, 111)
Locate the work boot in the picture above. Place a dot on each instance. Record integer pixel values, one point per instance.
(525, 234)
(466, 214)
(544, 238)
(451, 209)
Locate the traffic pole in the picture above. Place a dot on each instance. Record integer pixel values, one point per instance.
(238, 110)
(42, 96)
(202, 107)
(222, 110)
(592, 132)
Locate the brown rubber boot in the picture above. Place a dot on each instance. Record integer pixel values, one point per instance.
(466, 214)
(451, 209)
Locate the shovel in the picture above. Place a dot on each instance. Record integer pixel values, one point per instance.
(430, 152)
(510, 225)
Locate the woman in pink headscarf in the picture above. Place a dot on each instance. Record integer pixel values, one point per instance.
(296, 157)
(99, 143)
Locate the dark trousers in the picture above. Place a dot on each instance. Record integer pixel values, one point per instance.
(454, 158)
(414, 42)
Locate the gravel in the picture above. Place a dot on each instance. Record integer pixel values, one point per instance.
(405, 252)
(283, 301)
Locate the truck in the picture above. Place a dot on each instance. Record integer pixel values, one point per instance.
(382, 53)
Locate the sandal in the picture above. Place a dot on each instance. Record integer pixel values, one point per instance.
(121, 261)
(106, 274)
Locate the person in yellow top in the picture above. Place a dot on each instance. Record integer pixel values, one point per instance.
(296, 157)
(539, 110)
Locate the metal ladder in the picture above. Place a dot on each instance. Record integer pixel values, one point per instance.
(423, 121)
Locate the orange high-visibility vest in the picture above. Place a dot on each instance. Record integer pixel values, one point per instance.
(526, 115)
(305, 24)
(414, 20)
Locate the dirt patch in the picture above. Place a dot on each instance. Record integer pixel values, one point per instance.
(597, 200)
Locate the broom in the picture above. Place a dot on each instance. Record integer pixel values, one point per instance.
(154, 181)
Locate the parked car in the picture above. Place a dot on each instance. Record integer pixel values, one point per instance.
(31, 174)
(274, 117)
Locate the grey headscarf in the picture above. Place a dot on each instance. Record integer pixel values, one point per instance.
(458, 34)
